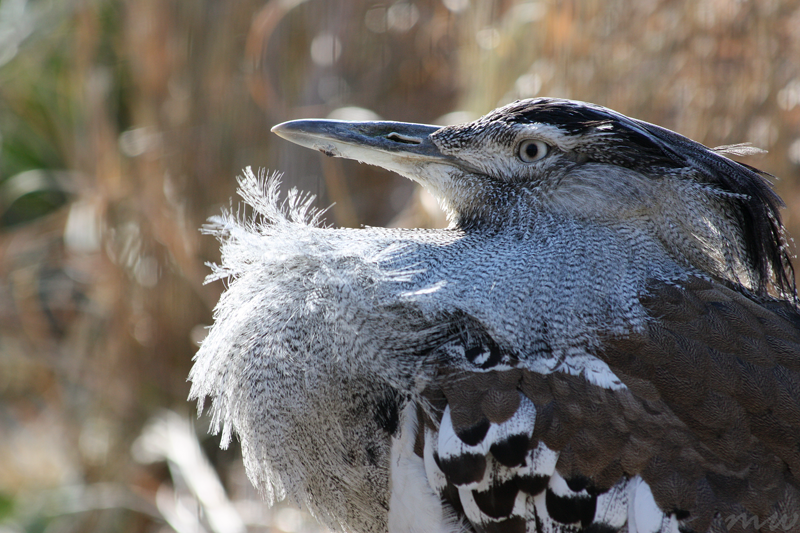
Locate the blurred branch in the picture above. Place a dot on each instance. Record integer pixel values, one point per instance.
(169, 437)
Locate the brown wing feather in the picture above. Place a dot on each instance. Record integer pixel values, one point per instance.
(725, 369)
(710, 418)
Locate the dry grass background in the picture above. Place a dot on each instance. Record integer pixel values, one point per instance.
(123, 124)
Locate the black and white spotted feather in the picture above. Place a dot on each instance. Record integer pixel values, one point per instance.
(605, 339)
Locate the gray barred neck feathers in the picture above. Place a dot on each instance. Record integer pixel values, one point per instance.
(675, 213)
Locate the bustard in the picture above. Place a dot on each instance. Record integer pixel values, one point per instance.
(605, 338)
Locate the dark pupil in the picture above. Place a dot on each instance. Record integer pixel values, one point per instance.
(531, 150)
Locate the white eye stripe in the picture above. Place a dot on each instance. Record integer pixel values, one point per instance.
(531, 150)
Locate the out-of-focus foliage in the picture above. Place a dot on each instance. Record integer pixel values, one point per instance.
(123, 124)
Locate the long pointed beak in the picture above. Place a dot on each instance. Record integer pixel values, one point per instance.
(397, 146)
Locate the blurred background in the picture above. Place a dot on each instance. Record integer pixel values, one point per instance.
(123, 124)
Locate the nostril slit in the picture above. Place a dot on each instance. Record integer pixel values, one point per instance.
(399, 137)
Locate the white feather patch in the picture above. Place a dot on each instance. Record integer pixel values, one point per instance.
(558, 486)
(471, 509)
(435, 476)
(644, 516)
(414, 507)
(612, 506)
(540, 511)
(542, 460)
(450, 446)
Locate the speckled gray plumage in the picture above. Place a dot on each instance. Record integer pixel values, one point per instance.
(324, 336)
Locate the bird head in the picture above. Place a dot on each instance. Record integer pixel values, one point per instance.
(557, 160)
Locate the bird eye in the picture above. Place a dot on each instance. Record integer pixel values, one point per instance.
(530, 150)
